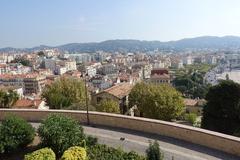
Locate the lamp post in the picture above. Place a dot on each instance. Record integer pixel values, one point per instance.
(85, 82)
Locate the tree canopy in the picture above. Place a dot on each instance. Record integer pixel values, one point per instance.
(222, 111)
(157, 101)
(8, 99)
(23, 61)
(64, 93)
(153, 152)
(109, 106)
(191, 85)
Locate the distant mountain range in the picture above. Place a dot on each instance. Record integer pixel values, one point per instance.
(210, 42)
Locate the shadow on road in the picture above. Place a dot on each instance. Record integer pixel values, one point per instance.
(195, 147)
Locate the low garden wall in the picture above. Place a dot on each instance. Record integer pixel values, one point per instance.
(222, 142)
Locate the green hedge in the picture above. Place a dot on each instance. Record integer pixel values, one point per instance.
(74, 153)
(41, 154)
(60, 133)
(103, 152)
(15, 133)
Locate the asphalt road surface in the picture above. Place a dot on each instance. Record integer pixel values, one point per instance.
(138, 142)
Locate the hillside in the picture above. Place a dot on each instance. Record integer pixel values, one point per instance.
(210, 42)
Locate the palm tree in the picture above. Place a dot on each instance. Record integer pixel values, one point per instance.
(12, 98)
(7, 99)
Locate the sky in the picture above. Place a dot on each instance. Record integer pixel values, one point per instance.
(28, 23)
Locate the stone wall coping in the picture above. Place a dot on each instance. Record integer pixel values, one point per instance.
(170, 124)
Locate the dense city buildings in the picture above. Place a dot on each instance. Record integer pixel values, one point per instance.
(120, 80)
(33, 71)
(111, 76)
(34, 84)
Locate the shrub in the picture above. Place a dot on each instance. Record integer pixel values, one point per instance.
(132, 156)
(153, 152)
(75, 153)
(90, 140)
(1, 148)
(191, 118)
(15, 133)
(60, 132)
(236, 133)
(41, 154)
(109, 106)
(104, 152)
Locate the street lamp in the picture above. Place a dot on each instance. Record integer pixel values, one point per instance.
(85, 83)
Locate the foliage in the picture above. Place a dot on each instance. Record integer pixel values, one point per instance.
(75, 153)
(1, 148)
(109, 106)
(132, 156)
(65, 92)
(104, 152)
(221, 113)
(201, 67)
(15, 133)
(157, 101)
(237, 132)
(192, 85)
(60, 132)
(41, 154)
(191, 118)
(7, 99)
(90, 141)
(41, 54)
(23, 61)
(153, 152)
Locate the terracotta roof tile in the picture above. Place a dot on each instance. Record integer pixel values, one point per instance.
(190, 102)
(27, 103)
(120, 90)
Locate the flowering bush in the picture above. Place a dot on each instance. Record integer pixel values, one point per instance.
(75, 153)
(41, 154)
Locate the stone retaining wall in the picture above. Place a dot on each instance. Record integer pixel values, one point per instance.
(222, 142)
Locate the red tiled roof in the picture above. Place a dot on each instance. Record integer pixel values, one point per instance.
(120, 90)
(3, 65)
(190, 102)
(27, 103)
(159, 71)
(11, 76)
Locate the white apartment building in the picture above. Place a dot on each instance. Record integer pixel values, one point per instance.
(70, 65)
(108, 69)
(60, 70)
(57, 66)
(91, 71)
(5, 58)
(188, 60)
(147, 71)
(211, 60)
(80, 58)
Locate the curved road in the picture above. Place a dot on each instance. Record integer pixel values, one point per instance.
(138, 141)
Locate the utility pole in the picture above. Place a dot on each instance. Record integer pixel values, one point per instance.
(85, 81)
